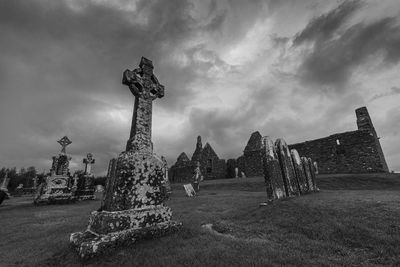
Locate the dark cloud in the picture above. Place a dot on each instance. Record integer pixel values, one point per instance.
(323, 27)
(62, 65)
(335, 53)
(62, 61)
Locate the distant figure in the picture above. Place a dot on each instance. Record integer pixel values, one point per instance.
(236, 172)
(197, 177)
(243, 175)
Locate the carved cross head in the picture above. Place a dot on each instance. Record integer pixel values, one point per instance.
(89, 159)
(64, 142)
(142, 82)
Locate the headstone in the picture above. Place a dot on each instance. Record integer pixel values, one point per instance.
(313, 177)
(75, 182)
(86, 192)
(298, 167)
(316, 167)
(134, 208)
(167, 184)
(236, 172)
(190, 192)
(3, 188)
(99, 188)
(288, 173)
(35, 182)
(56, 187)
(307, 172)
(272, 170)
(19, 190)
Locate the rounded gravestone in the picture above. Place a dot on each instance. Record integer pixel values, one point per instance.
(288, 172)
(301, 177)
(312, 171)
(272, 171)
(307, 172)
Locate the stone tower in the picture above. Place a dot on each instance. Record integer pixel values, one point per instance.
(199, 150)
(364, 122)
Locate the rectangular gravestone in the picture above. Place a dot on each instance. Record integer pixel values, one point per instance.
(307, 172)
(313, 176)
(288, 172)
(298, 167)
(272, 170)
(190, 192)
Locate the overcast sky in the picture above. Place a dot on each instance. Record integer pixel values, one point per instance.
(293, 69)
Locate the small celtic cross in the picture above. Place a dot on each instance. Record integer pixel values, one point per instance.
(64, 142)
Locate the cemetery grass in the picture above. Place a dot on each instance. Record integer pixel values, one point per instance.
(353, 220)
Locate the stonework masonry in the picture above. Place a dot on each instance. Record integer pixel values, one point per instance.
(356, 151)
(252, 156)
(349, 152)
(211, 166)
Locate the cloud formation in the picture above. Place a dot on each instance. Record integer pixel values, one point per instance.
(337, 52)
(292, 69)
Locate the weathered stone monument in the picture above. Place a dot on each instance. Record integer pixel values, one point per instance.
(87, 189)
(56, 187)
(312, 171)
(288, 173)
(3, 188)
(298, 168)
(307, 172)
(197, 177)
(285, 173)
(190, 192)
(134, 207)
(272, 170)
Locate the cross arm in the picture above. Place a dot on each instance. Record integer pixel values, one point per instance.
(133, 80)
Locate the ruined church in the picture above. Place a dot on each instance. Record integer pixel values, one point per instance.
(211, 166)
(356, 151)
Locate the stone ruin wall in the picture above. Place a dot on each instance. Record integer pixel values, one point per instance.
(218, 166)
(349, 152)
(179, 174)
(182, 170)
(253, 163)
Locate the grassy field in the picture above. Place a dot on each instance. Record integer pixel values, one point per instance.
(353, 220)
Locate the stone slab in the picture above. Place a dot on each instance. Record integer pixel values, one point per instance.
(298, 167)
(272, 171)
(287, 168)
(107, 222)
(89, 244)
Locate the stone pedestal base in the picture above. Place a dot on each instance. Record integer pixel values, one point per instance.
(54, 196)
(86, 194)
(54, 191)
(108, 230)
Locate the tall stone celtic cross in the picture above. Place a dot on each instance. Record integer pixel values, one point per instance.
(88, 161)
(64, 142)
(146, 88)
